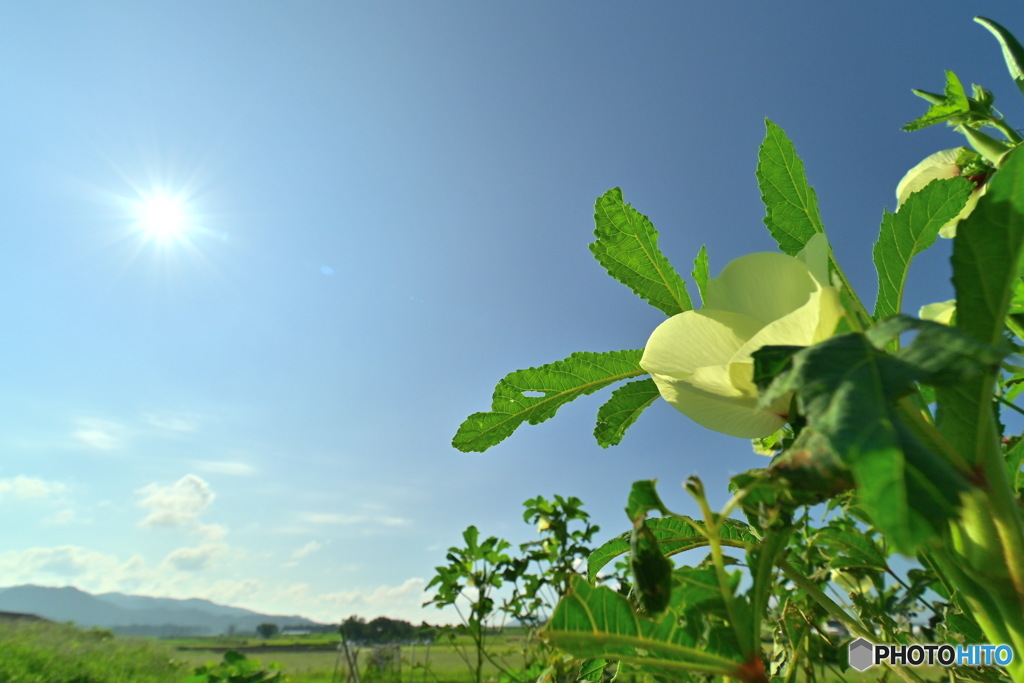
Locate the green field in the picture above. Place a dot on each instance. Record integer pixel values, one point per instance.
(44, 652)
(438, 662)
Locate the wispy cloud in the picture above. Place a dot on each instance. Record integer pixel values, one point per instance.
(233, 468)
(61, 518)
(194, 559)
(173, 422)
(22, 488)
(101, 435)
(176, 505)
(337, 519)
(307, 550)
(331, 518)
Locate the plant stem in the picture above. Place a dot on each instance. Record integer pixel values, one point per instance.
(712, 530)
(841, 615)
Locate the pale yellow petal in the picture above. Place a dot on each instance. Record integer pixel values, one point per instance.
(815, 321)
(941, 312)
(764, 286)
(695, 339)
(949, 229)
(717, 380)
(815, 257)
(732, 416)
(939, 165)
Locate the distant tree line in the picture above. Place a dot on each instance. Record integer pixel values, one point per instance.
(385, 630)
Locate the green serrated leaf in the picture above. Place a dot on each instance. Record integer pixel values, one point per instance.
(643, 497)
(598, 622)
(675, 535)
(940, 355)
(954, 103)
(846, 389)
(1013, 52)
(627, 247)
(791, 204)
(769, 361)
(911, 230)
(852, 548)
(701, 273)
(592, 670)
(550, 387)
(622, 410)
(988, 259)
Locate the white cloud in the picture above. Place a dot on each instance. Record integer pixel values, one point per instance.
(99, 434)
(194, 559)
(184, 573)
(179, 504)
(22, 488)
(404, 601)
(230, 467)
(62, 517)
(173, 422)
(331, 518)
(350, 520)
(67, 564)
(307, 549)
(228, 592)
(211, 532)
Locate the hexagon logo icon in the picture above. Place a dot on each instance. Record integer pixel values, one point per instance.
(862, 654)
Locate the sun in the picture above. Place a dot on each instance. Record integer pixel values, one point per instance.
(162, 215)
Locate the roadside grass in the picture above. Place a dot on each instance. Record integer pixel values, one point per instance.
(42, 652)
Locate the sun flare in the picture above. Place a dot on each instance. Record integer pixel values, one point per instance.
(163, 216)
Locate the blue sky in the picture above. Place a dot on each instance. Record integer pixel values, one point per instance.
(390, 206)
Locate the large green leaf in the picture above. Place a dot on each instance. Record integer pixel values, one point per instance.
(598, 622)
(791, 207)
(622, 410)
(911, 230)
(988, 259)
(627, 247)
(674, 535)
(846, 389)
(940, 355)
(535, 394)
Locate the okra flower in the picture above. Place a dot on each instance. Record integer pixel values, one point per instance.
(939, 165)
(941, 312)
(701, 360)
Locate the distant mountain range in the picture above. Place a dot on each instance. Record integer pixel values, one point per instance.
(138, 614)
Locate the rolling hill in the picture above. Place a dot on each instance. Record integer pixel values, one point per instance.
(138, 614)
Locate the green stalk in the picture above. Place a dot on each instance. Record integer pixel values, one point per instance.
(987, 609)
(1011, 135)
(713, 528)
(851, 623)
